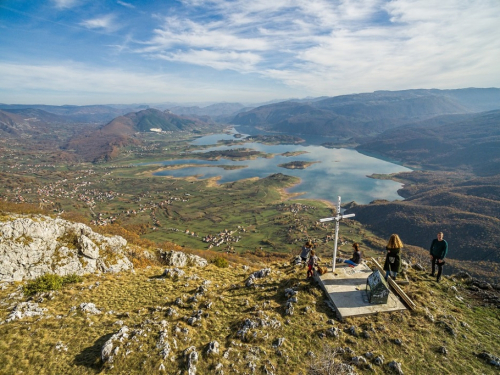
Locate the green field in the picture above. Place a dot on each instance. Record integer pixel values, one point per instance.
(253, 215)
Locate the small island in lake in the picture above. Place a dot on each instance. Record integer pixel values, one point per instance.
(294, 153)
(280, 139)
(298, 164)
(232, 154)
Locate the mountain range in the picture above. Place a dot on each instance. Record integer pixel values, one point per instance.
(362, 115)
(465, 142)
(105, 142)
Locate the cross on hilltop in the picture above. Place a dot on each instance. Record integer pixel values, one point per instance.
(337, 219)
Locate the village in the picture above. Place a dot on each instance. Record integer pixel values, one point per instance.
(127, 194)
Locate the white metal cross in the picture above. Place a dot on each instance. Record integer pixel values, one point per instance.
(337, 219)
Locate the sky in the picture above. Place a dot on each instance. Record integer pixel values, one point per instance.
(249, 51)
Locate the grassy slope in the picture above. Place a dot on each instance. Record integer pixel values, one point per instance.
(140, 300)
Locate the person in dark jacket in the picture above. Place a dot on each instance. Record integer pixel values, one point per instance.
(356, 256)
(392, 264)
(438, 251)
(306, 249)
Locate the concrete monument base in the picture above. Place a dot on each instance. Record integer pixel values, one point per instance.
(346, 290)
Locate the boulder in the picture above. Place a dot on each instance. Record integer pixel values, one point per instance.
(33, 245)
(25, 310)
(180, 259)
(109, 349)
(87, 247)
(213, 348)
(396, 367)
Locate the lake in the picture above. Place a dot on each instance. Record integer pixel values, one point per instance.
(341, 171)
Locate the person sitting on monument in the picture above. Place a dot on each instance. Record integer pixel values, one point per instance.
(356, 256)
(393, 263)
(305, 252)
(313, 262)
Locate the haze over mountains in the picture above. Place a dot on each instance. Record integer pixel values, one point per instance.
(360, 115)
(451, 142)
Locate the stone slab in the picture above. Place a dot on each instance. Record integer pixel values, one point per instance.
(346, 289)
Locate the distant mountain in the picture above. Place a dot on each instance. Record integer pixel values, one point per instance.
(11, 124)
(73, 113)
(480, 100)
(467, 142)
(459, 193)
(362, 115)
(215, 111)
(31, 123)
(104, 143)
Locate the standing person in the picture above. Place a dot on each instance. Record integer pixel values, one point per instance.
(438, 251)
(356, 256)
(313, 262)
(306, 249)
(392, 264)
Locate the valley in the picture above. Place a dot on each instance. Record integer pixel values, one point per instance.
(107, 175)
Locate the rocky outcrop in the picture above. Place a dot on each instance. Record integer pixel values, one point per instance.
(110, 348)
(180, 259)
(31, 246)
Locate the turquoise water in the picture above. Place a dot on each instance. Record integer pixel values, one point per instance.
(340, 171)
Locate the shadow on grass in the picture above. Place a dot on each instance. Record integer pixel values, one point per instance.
(162, 276)
(91, 357)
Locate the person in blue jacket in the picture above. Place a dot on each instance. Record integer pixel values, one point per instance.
(438, 251)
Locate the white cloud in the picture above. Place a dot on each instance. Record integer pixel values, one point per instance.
(104, 22)
(65, 3)
(242, 62)
(72, 83)
(187, 33)
(326, 46)
(125, 4)
(314, 47)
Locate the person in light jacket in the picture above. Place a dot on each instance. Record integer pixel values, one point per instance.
(392, 264)
(313, 262)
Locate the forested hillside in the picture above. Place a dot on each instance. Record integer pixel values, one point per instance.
(362, 115)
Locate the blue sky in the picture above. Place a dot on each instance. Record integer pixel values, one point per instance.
(250, 51)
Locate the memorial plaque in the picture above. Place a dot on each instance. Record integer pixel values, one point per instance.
(377, 289)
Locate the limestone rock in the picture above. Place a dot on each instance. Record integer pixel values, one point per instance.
(257, 275)
(173, 272)
(88, 248)
(262, 273)
(25, 310)
(359, 360)
(90, 308)
(33, 245)
(192, 358)
(109, 350)
(180, 259)
(490, 358)
(213, 348)
(396, 367)
(60, 346)
(379, 361)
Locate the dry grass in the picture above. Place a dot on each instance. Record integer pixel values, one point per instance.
(141, 301)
